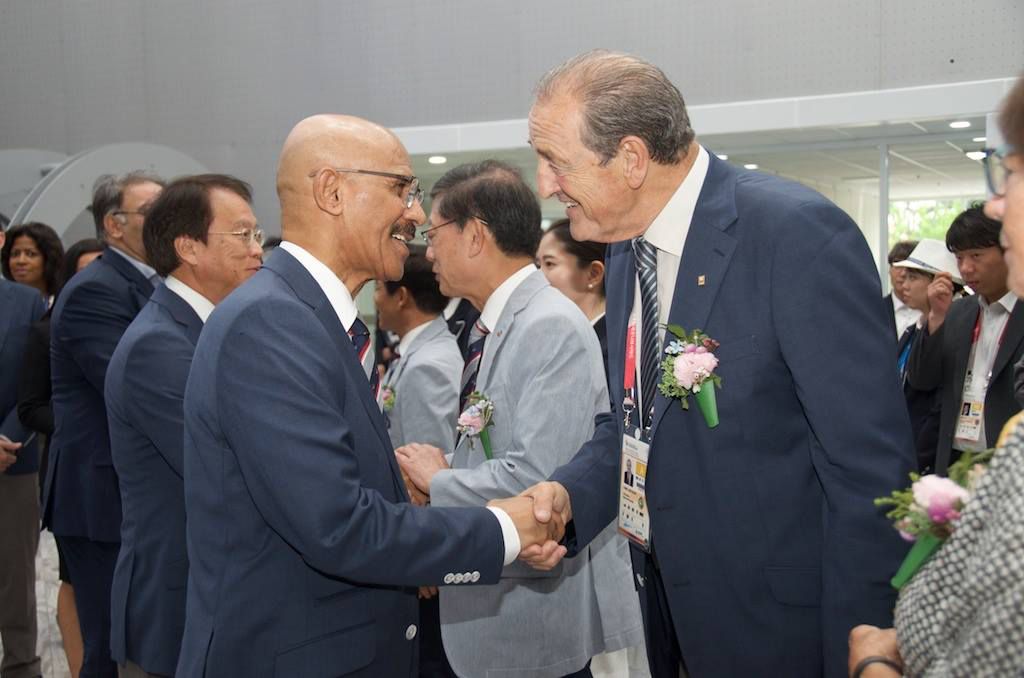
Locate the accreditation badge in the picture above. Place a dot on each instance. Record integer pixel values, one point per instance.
(634, 513)
(972, 411)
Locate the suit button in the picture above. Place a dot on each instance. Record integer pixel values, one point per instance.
(449, 578)
(475, 578)
(640, 579)
(458, 578)
(410, 632)
(467, 577)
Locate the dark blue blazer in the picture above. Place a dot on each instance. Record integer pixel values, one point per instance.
(769, 544)
(20, 307)
(145, 389)
(461, 324)
(81, 498)
(303, 550)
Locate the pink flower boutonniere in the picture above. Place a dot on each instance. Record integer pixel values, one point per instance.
(476, 418)
(924, 512)
(689, 369)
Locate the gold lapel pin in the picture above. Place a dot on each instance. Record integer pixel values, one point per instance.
(701, 280)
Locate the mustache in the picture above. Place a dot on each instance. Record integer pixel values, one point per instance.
(404, 232)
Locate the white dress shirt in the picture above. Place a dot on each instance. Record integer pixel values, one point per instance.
(200, 304)
(341, 301)
(668, 234)
(983, 355)
(904, 315)
(496, 303)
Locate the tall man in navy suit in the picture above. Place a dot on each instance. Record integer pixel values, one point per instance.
(304, 553)
(20, 307)
(202, 238)
(82, 505)
(764, 547)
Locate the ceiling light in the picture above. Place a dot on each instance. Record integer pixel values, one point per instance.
(750, 165)
(722, 156)
(978, 140)
(960, 124)
(975, 155)
(437, 160)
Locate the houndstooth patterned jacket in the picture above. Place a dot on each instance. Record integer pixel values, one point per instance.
(963, 613)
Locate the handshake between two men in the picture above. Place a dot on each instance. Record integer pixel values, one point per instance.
(540, 513)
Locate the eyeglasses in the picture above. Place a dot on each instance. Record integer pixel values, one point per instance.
(427, 238)
(141, 213)
(248, 236)
(414, 196)
(996, 171)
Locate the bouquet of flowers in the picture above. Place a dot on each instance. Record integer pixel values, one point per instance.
(924, 512)
(475, 420)
(689, 369)
(387, 399)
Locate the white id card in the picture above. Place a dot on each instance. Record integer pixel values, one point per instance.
(634, 516)
(972, 409)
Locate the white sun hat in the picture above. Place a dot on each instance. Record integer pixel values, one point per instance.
(931, 256)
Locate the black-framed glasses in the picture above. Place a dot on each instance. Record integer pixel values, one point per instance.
(425, 234)
(996, 171)
(248, 236)
(415, 194)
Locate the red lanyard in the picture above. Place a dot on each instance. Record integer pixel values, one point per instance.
(977, 329)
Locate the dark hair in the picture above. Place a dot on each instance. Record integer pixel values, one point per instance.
(271, 242)
(73, 254)
(584, 251)
(623, 95)
(901, 250)
(48, 242)
(183, 209)
(108, 194)
(972, 230)
(1011, 118)
(494, 192)
(419, 279)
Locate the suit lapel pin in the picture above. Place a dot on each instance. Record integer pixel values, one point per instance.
(701, 279)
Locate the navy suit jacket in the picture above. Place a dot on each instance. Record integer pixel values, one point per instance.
(302, 546)
(145, 389)
(769, 545)
(461, 324)
(81, 498)
(20, 307)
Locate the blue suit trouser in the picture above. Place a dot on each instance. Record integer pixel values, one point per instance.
(91, 568)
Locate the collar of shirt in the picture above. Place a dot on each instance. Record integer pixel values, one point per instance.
(200, 304)
(410, 336)
(499, 298)
(449, 310)
(1007, 301)
(669, 229)
(897, 303)
(596, 320)
(141, 266)
(335, 291)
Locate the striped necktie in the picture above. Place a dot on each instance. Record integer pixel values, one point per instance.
(360, 335)
(650, 347)
(474, 352)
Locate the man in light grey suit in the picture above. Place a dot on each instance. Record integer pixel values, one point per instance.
(536, 357)
(420, 391)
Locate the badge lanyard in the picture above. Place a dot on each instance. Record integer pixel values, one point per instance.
(631, 397)
(976, 335)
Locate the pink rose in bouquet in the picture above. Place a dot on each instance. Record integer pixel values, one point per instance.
(471, 421)
(693, 366)
(941, 498)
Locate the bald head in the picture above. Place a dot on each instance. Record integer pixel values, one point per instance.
(331, 141)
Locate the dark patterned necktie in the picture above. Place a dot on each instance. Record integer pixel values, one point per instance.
(650, 347)
(360, 335)
(474, 352)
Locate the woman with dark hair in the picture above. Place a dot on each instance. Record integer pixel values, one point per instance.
(960, 615)
(576, 269)
(32, 255)
(36, 413)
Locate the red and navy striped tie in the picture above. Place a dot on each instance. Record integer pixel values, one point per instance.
(360, 335)
(474, 352)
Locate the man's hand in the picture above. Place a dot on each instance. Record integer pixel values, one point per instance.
(420, 462)
(8, 453)
(871, 641)
(550, 502)
(416, 497)
(940, 297)
(531, 532)
(427, 592)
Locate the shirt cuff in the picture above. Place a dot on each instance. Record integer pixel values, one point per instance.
(508, 533)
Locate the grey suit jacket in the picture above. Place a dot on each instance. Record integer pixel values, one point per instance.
(425, 381)
(542, 368)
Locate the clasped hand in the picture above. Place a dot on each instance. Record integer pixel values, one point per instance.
(8, 453)
(541, 514)
(419, 463)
